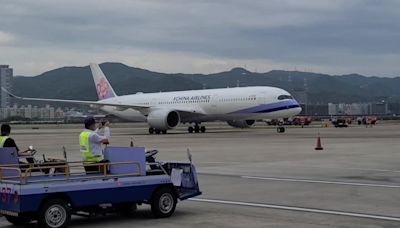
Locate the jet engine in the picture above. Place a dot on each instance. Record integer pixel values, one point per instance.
(163, 119)
(241, 123)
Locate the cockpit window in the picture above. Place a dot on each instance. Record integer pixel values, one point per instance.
(284, 97)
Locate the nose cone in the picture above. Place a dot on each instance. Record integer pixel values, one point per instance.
(297, 110)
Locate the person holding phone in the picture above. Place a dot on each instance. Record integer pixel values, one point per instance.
(91, 140)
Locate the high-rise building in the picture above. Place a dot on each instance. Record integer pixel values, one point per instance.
(6, 76)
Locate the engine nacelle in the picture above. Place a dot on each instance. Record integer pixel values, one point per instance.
(163, 119)
(241, 123)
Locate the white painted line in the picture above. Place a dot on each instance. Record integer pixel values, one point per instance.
(322, 182)
(348, 168)
(216, 162)
(302, 209)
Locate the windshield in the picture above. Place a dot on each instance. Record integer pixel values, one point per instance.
(283, 97)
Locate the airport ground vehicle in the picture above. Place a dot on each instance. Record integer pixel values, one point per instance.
(301, 120)
(126, 181)
(340, 122)
(367, 120)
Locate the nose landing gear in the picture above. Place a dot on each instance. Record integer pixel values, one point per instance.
(280, 129)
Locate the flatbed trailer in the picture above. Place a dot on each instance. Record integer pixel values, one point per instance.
(127, 180)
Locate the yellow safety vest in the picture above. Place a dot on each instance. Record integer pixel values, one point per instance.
(3, 140)
(85, 149)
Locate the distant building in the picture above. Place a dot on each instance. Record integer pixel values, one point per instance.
(380, 108)
(349, 109)
(34, 113)
(394, 108)
(6, 76)
(314, 109)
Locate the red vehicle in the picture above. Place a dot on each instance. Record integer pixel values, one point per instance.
(372, 120)
(349, 120)
(302, 120)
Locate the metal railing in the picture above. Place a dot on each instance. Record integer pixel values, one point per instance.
(62, 172)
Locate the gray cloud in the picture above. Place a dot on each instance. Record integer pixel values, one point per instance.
(328, 36)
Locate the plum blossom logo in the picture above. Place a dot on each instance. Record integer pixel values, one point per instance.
(102, 88)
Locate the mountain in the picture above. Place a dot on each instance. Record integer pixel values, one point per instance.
(77, 83)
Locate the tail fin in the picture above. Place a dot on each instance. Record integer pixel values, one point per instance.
(103, 87)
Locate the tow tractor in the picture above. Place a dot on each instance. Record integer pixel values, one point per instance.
(51, 192)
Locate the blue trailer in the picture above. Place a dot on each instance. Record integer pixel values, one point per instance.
(50, 193)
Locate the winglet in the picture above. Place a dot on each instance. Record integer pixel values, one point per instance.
(9, 93)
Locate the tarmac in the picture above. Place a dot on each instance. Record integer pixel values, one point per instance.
(257, 177)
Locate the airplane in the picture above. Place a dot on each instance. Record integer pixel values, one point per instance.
(240, 107)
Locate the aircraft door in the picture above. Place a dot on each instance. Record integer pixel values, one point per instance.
(261, 98)
(153, 102)
(214, 104)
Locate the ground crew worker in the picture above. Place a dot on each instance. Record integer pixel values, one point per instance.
(91, 141)
(7, 141)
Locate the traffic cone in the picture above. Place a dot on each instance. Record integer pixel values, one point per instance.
(132, 142)
(319, 145)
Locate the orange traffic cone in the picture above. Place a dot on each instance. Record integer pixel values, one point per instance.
(132, 142)
(319, 145)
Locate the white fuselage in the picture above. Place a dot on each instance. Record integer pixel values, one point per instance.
(241, 103)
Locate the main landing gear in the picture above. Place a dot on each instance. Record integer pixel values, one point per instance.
(156, 131)
(197, 129)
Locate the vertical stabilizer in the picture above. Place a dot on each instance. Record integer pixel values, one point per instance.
(103, 87)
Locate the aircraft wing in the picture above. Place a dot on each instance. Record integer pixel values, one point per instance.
(120, 107)
(184, 112)
(187, 113)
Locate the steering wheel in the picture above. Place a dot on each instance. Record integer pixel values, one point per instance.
(33, 152)
(151, 153)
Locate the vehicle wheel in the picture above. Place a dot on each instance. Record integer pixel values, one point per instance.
(55, 213)
(164, 132)
(203, 129)
(151, 130)
(196, 129)
(163, 203)
(158, 131)
(190, 129)
(280, 129)
(17, 221)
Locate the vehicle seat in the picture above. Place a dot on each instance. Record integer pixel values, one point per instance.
(9, 158)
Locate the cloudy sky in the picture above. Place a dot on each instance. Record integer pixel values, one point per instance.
(205, 36)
